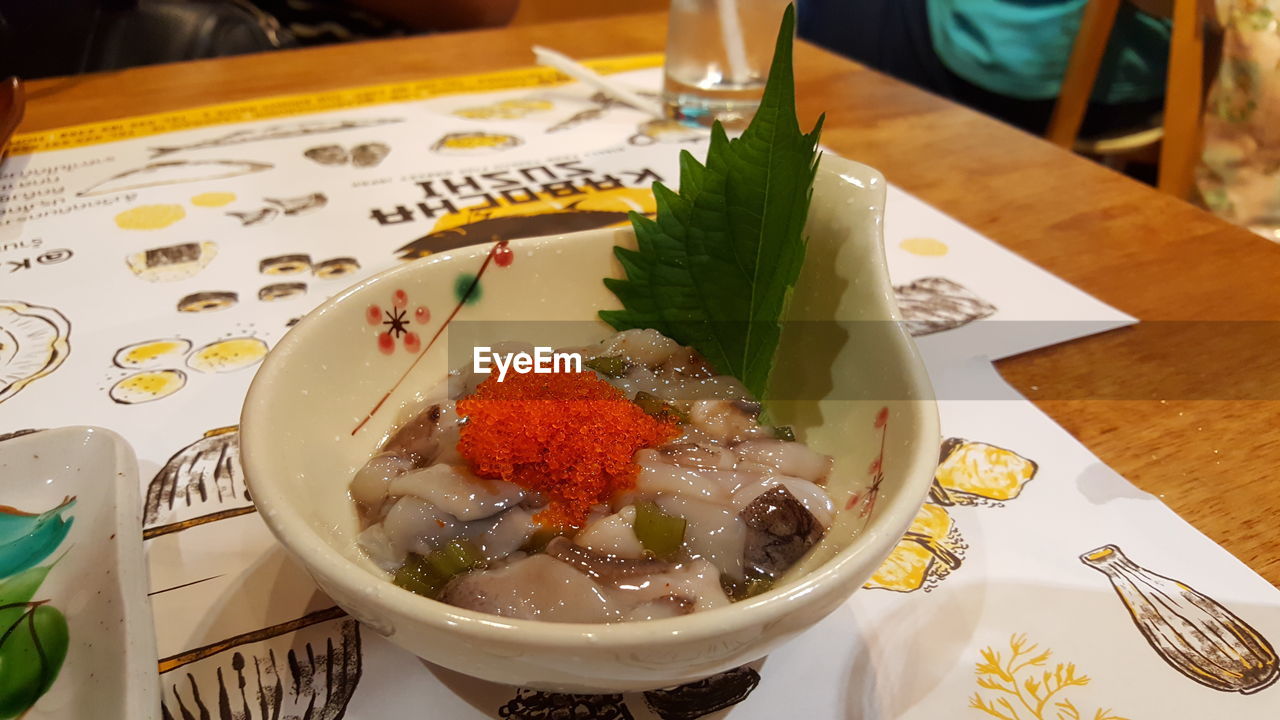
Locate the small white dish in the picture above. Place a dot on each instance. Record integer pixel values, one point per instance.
(848, 379)
(69, 511)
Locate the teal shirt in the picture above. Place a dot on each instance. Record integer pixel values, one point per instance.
(1020, 48)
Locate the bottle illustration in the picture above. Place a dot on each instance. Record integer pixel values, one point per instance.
(1192, 632)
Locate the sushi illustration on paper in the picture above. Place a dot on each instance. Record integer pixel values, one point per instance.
(934, 304)
(305, 668)
(975, 473)
(174, 172)
(201, 483)
(968, 474)
(475, 143)
(550, 216)
(505, 109)
(208, 301)
(1193, 633)
(365, 155)
(172, 262)
(275, 132)
(154, 364)
(290, 206)
(34, 342)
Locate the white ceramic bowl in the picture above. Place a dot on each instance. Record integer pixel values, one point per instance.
(854, 389)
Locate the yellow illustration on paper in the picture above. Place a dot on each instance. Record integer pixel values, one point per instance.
(924, 246)
(155, 360)
(969, 473)
(975, 473)
(147, 386)
(474, 142)
(149, 217)
(228, 355)
(504, 110)
(213, 199)
(1021, 686)
(151, 353)
(502, 219)
(930, 550)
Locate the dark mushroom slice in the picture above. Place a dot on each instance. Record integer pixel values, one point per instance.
(285, 264)
(750, 408)
(369, 154)
(207, 301)
(335, 268)
(327, 154)
(779, 532)
(606, 568)
(280, 291)
(697, 699)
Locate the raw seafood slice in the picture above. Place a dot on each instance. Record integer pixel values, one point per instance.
(174, 172)
(33, 343)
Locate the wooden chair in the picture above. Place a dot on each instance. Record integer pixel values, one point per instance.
(1184, 89)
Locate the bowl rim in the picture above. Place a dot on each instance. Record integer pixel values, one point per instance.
(317, 554)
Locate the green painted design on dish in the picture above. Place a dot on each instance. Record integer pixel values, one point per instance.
(463, 283)
(28, 538)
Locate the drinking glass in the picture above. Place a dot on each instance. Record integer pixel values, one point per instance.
(718, 55)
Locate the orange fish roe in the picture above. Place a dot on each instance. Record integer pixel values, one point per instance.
(568, 435)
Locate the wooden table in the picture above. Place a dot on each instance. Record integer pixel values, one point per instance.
(1187, 411)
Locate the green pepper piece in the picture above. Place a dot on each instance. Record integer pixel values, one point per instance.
(614, 366)
(417, 576)
(659, 532)
(537, 542)
(739, 590)
(784, 432)
(653, 405)
(757, 586)
(455, 558)
(427, 574)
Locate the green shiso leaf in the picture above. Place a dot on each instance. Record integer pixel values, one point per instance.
(716, 268)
